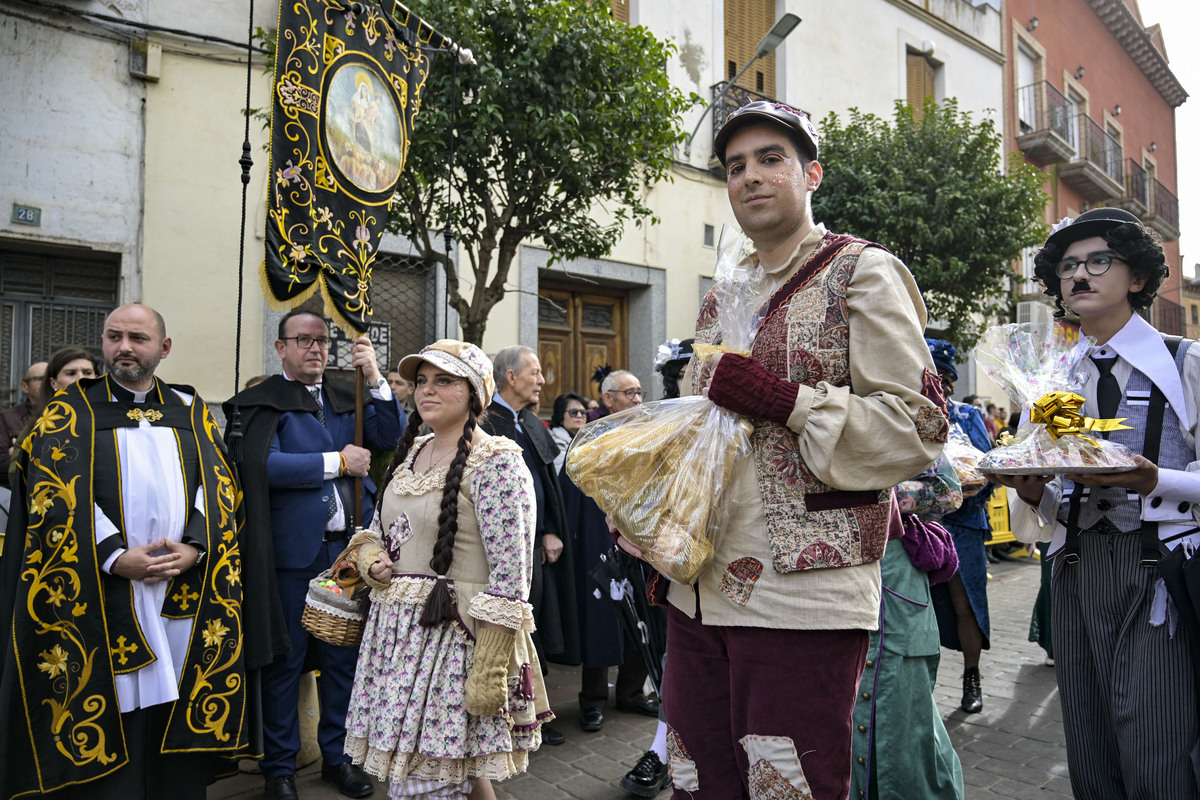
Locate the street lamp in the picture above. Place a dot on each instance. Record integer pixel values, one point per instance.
(779, 31)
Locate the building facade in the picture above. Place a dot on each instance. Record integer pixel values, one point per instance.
(1090, 99)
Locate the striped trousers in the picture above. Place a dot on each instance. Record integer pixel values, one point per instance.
(1127, 691)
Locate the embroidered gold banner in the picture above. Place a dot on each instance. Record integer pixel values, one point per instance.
(348, 81)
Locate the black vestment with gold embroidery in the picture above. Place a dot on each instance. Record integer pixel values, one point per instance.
(73, 626)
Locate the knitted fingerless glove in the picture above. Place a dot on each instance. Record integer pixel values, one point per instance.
(368, 555)
(744, 386)
(487, 685)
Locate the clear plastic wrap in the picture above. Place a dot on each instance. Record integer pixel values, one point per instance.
(659, 470)
(964, 457)
(1037, 364)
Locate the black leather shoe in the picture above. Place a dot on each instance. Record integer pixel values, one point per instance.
(551, 736)
(281, 788)
(646, 705)
(648, 777)
(972, 701)
(348, 779)
(592, 719)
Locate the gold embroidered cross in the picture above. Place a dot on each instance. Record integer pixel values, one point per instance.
(122, 650)
(183, 597)
(138, 415)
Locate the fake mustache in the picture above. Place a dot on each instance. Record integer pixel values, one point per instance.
(1081, 286)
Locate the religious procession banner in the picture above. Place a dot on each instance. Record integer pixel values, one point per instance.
(348, 81)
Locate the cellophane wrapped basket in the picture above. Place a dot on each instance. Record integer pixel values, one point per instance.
(659, 470)
(1037, 364)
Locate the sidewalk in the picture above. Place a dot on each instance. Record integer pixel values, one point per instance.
(1014, 749)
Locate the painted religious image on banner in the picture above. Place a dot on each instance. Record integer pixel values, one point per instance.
(362, 128)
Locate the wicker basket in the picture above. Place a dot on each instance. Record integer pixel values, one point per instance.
(335, 618)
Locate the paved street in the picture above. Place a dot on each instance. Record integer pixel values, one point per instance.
(1013, 749)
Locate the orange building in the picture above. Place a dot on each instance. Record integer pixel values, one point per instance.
(1090, 99)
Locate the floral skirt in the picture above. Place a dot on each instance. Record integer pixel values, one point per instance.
(407, 715)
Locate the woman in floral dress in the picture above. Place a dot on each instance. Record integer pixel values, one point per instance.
(448, 689)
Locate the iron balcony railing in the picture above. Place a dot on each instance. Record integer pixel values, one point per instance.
(1097, 146)
(1137, 187)
(1041, 107)
(733, 98)
(1169, 317)
(1165, 205)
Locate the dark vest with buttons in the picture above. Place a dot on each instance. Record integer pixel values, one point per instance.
(1121, 507)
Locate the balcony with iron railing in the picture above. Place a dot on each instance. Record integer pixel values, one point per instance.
(1043, 116)
(1169, 317)
(1136, 199)
(1163, 214)
(727, 98)
(1097, 171)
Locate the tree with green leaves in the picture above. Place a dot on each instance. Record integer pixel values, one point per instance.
(558, 132)
(932, 191)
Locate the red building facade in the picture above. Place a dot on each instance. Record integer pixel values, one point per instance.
(1090, 99)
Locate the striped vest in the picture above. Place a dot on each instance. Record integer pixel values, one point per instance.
(1122, 507)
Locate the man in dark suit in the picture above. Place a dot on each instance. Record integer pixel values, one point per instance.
(297, 476)
(512, 414)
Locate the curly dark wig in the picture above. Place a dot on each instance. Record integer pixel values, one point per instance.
(1139, 247)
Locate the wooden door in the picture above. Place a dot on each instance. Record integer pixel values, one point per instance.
(578, 333)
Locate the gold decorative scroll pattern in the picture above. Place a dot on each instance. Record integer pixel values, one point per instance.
(344, 246)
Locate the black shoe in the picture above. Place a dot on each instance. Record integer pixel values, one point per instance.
(592, 719)
(551, 736)
(972, 701)
(648, 777)
(348, 779)
(646, 705)
(281, 788)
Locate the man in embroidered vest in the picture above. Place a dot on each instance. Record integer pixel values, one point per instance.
(300, 462)
(121, 588)
(1124, 668)
(765, 652)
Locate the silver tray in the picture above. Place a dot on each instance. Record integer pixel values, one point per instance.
(1060, 470)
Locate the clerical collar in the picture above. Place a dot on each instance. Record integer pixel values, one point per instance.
(124, 393)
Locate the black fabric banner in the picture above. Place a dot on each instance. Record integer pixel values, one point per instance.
(348, 81)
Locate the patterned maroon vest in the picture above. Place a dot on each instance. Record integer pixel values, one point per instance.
(805, 338)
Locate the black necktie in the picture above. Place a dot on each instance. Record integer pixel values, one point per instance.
(1108, 393)
(331, 510)
(316, 393)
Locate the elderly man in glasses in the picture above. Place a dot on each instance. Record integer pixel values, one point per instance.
(300, 462)
(1126, 675)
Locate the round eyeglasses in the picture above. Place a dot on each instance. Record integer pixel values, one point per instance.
(1093, 265)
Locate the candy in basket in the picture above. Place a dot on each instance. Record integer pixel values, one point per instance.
(1038, 366)
(337, 603)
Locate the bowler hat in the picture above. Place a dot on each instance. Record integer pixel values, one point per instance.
(1096, 222)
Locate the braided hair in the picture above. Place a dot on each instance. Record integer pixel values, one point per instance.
(440, 606)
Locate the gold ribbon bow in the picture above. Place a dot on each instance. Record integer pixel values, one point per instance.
(1059, 412)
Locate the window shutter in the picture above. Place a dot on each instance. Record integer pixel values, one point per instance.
(620, 10)
(746, 23)
(920, 83)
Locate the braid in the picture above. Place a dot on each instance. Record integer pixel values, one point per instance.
(440, 606)
(402, 447)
